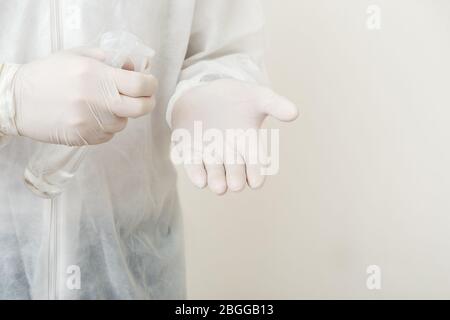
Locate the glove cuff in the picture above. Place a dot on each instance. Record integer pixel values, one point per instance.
(7, 107)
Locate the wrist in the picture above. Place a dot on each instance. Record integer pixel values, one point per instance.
(7, 100)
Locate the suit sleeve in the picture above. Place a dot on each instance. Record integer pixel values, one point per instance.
(226, 41)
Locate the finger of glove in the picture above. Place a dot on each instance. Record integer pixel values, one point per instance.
(134, 84)
(130, 65)
(215, 171)
(254, 158)
(255, 178)
(195, 169)
(281, 108)
(234, 170)
(197, 174)
(130, 107)
(115, 126)
(101, 55)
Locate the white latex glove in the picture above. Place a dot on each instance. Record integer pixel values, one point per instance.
(72, 98)
(228, 104)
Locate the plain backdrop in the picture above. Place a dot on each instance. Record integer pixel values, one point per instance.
(364, 177)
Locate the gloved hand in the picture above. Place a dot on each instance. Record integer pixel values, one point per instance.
(228, 104)
(72, 98)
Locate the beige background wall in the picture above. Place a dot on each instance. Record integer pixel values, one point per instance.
(365, 175)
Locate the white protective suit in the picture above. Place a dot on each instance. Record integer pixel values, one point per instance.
(119, 222)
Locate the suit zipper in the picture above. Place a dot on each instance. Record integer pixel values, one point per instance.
(56, 27)
(57, 43)
(53, 251)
